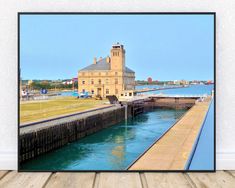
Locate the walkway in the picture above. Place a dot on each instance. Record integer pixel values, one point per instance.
(171, 152)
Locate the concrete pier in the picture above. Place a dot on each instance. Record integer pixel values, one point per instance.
(160, 88)
(147, 103)
(172, 150)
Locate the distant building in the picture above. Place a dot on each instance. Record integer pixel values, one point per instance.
(170, 83)
(30, 82)
(107, 76)
(181, 82)
(150, 80)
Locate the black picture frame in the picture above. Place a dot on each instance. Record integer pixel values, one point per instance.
(112, 13)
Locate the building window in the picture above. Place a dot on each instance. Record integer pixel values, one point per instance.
(83, 82)
(107, 81)
(107, 91)
(92, 81)
(116, 91)
(115, 53)
(116, 73)
(99, 81)
(116, 81)
(130, 94)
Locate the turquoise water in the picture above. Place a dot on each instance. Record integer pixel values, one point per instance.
(69, 93)
(114, 148)
(203, 158)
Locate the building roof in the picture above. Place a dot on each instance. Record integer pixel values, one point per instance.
(102, 65)
(129, 70)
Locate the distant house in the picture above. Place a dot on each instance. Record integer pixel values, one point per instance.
(170, 83)
(107, 76)
(181, 82)
(150, 80)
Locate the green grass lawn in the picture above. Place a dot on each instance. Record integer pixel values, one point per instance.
(38, 110)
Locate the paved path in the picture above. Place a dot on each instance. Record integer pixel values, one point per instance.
(172, 151)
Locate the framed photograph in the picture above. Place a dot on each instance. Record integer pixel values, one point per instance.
(116, 91)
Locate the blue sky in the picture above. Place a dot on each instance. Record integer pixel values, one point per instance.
(164, 47)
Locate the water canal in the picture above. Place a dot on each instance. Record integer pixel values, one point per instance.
(114, 148)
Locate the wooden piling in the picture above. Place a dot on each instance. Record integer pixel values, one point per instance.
(36, 142)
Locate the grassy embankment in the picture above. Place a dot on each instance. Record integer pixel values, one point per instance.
(38, 110)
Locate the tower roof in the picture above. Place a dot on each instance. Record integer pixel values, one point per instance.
(117, 45)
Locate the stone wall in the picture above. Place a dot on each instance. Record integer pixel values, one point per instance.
(173, 102)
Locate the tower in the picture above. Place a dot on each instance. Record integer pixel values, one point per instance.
(117, 57)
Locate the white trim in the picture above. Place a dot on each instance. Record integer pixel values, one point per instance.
(225, 161)
(8, 160)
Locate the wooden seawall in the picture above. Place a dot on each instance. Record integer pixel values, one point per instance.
(172, 151)
(44, 137)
